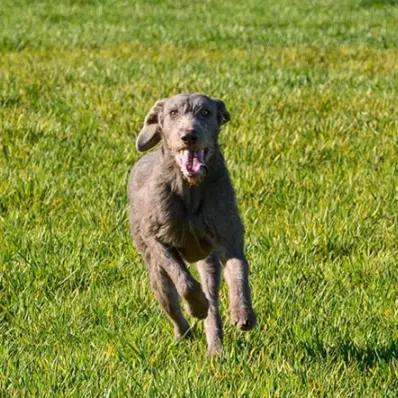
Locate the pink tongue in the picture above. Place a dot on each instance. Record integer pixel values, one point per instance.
(195, 161)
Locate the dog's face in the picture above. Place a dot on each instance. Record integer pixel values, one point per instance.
(188, 124)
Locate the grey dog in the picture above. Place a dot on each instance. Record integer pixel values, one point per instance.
(182, 207)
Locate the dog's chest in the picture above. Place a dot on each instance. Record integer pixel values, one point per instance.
(187, 228)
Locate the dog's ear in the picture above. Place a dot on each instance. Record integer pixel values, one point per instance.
(223, 115)
(149, 135)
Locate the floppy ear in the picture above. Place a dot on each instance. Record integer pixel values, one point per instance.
(149, 135)
(223, 115)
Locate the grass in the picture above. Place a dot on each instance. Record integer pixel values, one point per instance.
(312, 147)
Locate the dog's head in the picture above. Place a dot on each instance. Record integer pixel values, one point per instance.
(188, 125)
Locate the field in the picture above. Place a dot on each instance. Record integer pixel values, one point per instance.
(312, 147)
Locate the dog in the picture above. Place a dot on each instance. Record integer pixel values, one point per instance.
(182, 208)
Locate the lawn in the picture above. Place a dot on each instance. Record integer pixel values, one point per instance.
(312, 147)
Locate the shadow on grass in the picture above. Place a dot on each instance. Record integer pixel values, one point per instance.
(371, 3)
(365, 357)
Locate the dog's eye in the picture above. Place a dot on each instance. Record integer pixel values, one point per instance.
(173, 113)
(204, 112)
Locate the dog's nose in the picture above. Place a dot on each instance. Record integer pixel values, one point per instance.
(190, 137)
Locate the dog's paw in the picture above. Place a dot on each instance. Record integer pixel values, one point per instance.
(197, 303)
(214, 348)
(243, 317)
(182, 333)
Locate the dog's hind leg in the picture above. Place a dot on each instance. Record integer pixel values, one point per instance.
(210, 275)
(168, 299)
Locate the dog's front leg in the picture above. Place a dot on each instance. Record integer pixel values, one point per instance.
(187, 287)
(236, 273)
(168, 299)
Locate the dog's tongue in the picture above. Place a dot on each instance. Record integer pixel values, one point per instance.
(191, 161)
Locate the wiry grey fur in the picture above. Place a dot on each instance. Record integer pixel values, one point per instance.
(174, 217)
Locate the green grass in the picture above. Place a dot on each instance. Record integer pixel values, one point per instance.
(312, 147)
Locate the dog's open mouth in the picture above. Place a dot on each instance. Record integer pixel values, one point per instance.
(192, 163)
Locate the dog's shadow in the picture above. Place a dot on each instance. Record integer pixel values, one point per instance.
(370, 3)
(365, 357)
